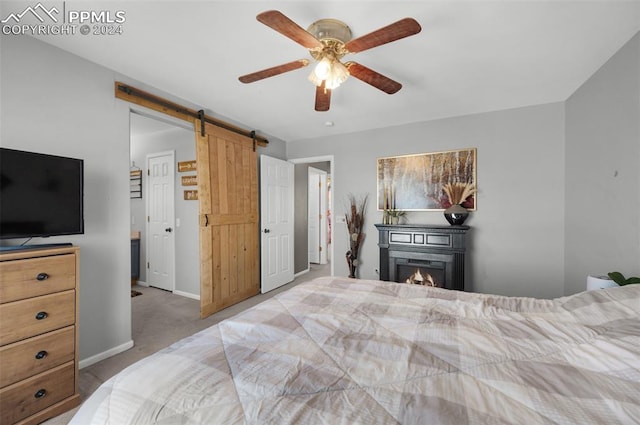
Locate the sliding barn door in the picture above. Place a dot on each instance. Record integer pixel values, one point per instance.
(229, 232)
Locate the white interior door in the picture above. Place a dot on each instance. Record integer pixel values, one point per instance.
(317, 219)
(276, 221)
(323, 195)
(314, 213)
(160, 220)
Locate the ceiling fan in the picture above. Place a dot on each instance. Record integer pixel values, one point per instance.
(328, 41)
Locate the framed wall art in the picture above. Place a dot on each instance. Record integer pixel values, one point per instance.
(190, 195)
(427, 181)
(184, 166)
(189, 180)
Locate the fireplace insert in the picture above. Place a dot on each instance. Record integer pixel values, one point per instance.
(423, 254)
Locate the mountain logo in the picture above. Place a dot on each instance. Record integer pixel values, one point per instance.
(39, 11)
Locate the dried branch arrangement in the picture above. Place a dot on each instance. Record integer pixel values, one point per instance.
(355, 226)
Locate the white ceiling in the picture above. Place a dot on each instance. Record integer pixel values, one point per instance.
(471, 57)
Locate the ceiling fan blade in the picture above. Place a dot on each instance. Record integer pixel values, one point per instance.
(277, 21)
(373, 78)
(323, 98)
(401, 29)
(272, 72)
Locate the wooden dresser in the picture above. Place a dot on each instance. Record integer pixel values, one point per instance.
(38, 334)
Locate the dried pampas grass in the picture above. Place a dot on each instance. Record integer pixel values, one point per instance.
(458, 192)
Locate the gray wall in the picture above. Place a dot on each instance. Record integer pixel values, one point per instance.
(555, 181)
(517, 241)
(301, 225)
(603, 171)
(275, 149)
(182, 141)
(57, 103)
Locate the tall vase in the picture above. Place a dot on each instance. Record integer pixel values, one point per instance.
(352, 263)
(456, 215)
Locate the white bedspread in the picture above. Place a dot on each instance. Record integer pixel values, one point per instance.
(343, 351)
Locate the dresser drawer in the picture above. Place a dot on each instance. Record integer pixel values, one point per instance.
(26, 318)
(27, 397)
(31, 356)
(31, 277)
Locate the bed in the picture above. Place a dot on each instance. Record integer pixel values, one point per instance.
(344, 351)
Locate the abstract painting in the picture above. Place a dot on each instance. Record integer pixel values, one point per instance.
(427, 181)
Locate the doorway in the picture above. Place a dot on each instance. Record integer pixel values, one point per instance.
(302, 263)
(150, 134)
(318, 213)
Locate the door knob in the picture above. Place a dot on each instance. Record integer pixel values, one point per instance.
(168, 229)
(267, 230)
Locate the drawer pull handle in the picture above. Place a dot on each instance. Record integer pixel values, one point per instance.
(41, 393)
(41, 355)
(42, 276)
(41, 315)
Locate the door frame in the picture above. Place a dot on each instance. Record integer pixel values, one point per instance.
(331, 160)
(172, 260)
(319, 176)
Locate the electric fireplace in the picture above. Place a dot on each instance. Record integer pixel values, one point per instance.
(423, 254)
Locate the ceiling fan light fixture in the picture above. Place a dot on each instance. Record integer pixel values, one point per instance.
(314, 79)
(330, 29)
(323, 68)
(331, 72)
(337, 75)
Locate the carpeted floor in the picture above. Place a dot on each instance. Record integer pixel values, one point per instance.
(159, 319)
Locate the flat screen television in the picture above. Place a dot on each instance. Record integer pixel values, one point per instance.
(40, 195)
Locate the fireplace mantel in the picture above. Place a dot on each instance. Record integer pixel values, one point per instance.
(436, 249)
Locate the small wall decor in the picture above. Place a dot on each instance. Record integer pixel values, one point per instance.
(190, 180)
(184, 166)
(190, 195)
(135, 178)
(424, 182)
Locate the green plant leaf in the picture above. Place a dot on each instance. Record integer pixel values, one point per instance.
(632, 280)
(617, 277)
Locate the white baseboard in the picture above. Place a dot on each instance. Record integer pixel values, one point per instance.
(307, 270)
(105, 355)
(187, 294)
(175, 292)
